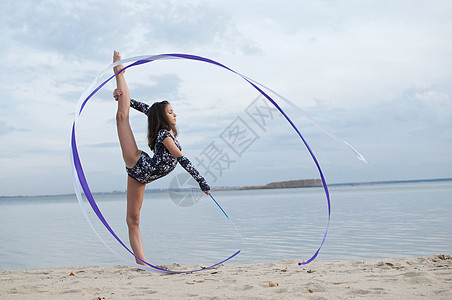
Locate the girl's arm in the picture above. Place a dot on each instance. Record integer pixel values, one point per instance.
(186, 164)
(172, 147)
(140, 106)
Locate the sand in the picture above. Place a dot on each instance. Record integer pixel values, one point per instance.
(401, 278)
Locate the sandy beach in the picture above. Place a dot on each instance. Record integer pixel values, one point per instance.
(401, 278)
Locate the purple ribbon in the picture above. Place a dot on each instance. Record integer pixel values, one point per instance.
(79, 173)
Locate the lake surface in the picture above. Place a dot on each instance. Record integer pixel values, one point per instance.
(367, 221)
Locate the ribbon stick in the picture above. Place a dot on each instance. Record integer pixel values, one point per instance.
(98, 83)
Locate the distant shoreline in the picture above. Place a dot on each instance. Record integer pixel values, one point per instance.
(302, 183)
(306, 183)
(273, 185)
(391, 182)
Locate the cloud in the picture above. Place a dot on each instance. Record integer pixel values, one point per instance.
(417, 105)
(156, 88)
(194, 25)
(7, 129)
(90, 29)
(413, 127)
(374, 74)
(185, 23)
(71, 28)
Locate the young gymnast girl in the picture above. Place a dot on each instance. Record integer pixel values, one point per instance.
(141, 168)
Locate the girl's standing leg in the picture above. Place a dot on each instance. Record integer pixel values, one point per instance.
(135, 193)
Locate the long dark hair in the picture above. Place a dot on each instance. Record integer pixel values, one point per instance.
(157, 120)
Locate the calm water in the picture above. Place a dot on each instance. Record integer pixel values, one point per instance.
(372, 221)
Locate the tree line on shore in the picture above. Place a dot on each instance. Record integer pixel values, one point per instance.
(286, 184)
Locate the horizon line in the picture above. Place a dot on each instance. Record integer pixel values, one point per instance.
(237, 187)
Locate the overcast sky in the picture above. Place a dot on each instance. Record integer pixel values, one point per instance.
(375, 73)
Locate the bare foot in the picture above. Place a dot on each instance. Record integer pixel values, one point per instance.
(117, 57)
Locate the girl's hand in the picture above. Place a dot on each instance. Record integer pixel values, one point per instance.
(207, 192)
(117, 93)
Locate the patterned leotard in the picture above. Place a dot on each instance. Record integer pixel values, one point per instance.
(148, 169)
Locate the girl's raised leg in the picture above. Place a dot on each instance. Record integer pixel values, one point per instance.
(130, 151)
